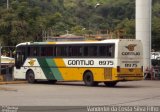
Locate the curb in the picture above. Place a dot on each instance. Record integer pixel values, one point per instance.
(13, 82)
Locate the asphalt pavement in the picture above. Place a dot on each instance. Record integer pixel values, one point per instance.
(76, 95)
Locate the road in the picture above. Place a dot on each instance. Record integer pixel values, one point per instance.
(141, 93)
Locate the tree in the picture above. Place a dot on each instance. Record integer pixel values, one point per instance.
(28, 20)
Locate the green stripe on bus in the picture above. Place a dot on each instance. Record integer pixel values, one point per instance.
(54, 69)
(46, 69)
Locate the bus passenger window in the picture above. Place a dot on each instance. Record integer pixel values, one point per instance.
(61, 50)
(107, 51)
(75, 51)
(102, 51)
(110, 51)
(92, 50)
(85, 51)
(47, 51)
(42, 51)
(33, 51)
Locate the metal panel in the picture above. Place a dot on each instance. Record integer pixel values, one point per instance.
(108, 73)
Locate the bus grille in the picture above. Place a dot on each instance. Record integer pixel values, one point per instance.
(108, 73)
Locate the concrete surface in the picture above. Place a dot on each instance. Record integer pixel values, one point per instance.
(12, 82)
(141, 93)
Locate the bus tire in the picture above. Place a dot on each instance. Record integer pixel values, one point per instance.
(30, 77)
(110, 84)
(89, 79)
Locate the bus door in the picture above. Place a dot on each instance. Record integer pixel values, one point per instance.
(20, 57)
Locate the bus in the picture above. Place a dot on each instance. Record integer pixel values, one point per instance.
(106, 61)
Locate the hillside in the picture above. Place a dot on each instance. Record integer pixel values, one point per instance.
(32, 19)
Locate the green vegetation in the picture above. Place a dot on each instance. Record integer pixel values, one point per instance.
(30, 20)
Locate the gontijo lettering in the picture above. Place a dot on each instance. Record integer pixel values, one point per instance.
(90, 62)
(80, 62)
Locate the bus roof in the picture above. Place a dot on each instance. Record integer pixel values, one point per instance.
(75, 42)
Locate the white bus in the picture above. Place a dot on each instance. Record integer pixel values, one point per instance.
(108, 61)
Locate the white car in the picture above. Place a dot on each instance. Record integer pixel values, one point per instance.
(155, 55)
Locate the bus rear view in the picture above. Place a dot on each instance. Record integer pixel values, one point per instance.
(130, 60)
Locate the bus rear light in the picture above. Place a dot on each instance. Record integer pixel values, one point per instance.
(118, 69)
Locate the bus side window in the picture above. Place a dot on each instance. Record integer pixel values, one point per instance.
(42, 51)
(111, 51)
(33, 51)
(47, 51)
(106, 51)
(61, 51)
(75, 51)
(102, 51)
(85, 50)
(92, 50)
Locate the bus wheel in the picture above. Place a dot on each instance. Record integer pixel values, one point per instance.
(30, 77)
(89, 80)
(110, 84)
